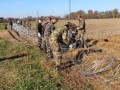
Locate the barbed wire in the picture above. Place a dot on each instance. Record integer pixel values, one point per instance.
(24, 31)
(78, 60)
(91, 69)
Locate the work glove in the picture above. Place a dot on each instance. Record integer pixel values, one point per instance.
(39, 35)
(70, 46)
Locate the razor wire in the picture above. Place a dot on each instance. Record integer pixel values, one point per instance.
(89, 70)
(90, 50)
(94, 65)
(114, 76)
(24, 31)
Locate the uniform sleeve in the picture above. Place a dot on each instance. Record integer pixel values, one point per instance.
(82, 23)
(52, 27)
(64, 37)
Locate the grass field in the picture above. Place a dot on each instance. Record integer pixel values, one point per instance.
(24, 72)
(2, 26)
(24, 67)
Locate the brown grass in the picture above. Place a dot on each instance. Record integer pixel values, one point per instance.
(107, 34)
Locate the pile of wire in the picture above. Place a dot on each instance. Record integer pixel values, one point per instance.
(101, 62)
(23, 31)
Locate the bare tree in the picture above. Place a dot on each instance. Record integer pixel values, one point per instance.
(115, 13)
(90, 13)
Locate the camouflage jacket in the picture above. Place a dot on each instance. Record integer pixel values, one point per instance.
(44, 25)
(49, 29)
(81, 23)
(60, 35)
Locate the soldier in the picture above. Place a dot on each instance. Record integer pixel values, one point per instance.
(43, 40)
(71, 33)
(24, 23)
(46, 22)
(58, 36)
(48, 30)
(39, 29)
(81, 30)
(11, 24)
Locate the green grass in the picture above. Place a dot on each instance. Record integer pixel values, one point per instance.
(2, 26)
(24, 73)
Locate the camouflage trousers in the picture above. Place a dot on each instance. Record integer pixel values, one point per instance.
(48, 48)
(80, 37)
(56, 51)
(44, 45)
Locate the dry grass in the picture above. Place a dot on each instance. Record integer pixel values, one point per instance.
(105, 34)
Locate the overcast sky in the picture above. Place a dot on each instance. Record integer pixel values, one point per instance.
(20, 8)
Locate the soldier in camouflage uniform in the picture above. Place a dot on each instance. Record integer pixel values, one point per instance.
(44, 26)
(48, 30)
(11, 24)
(71, 32)
(81, 30)
(58, 36)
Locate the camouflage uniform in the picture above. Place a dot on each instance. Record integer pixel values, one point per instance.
(81, 31)
(57, 37)
(11, 24)
(48, 30)
(24, 23)
(72, 32)
(43, 40)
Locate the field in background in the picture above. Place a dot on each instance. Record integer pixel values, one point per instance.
(2, 26)
(95, 28)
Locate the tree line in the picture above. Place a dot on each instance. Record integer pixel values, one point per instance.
(94, 14)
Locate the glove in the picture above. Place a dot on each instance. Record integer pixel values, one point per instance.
(78, 28)
(70, 46)
(39, 35)
(73, 32)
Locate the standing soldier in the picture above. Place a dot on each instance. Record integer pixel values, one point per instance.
(50, 27)
(71, 32)
(46, 22)
(58, 36)
(81, 30)
(24, 23)
(44, 25)
(39, 29)
(11, 24)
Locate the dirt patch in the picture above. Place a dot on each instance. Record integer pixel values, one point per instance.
(13, 36)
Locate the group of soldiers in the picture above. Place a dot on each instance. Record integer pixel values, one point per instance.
(50, 38)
